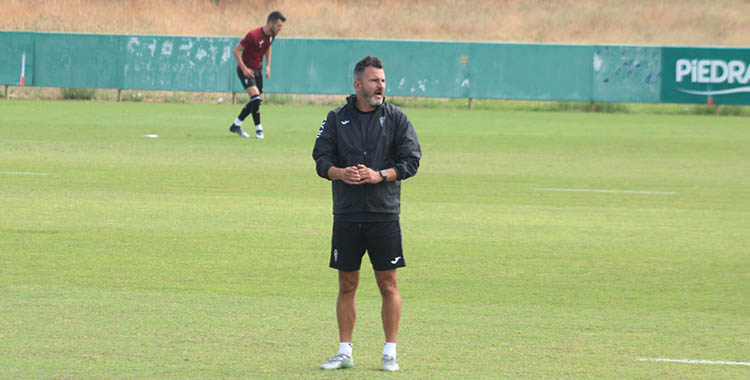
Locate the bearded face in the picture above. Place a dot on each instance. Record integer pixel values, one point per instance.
(370, 86)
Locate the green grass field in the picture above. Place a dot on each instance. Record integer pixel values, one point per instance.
(201, 255)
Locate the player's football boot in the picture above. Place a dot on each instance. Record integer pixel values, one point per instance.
(390, 363)
(340, 361)
(238, 130)
(258, 133)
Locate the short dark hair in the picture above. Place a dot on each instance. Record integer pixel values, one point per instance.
(275, 15)
(369, 61)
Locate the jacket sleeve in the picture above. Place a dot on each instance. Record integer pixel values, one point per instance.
(325, 150)
(408, 150)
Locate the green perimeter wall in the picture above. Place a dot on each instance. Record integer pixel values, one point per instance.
(601, 73)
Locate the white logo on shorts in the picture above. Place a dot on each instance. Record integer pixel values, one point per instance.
(394, 261)
(336, 255)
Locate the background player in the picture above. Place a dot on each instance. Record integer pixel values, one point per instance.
(249, 55)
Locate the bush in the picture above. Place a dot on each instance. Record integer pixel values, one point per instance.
(78, 93)
(176, 97)
(735, 111)
(606, 107)
(132, 97)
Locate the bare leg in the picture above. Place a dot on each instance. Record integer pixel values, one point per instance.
(346, 306)
(253, 91)
(391, 308)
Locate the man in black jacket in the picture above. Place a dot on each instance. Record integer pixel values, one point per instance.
(366, 147)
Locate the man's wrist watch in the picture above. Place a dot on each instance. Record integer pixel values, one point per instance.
(384, 174)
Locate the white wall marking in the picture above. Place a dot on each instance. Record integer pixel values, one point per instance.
(606, 191)
(690, 361)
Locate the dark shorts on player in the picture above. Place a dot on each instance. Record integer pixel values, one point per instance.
(257, 80)
(381, 240)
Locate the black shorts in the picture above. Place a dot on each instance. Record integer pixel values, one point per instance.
(257, 80)
(381, 240)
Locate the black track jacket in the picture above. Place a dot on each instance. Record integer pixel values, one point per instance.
(391, 142)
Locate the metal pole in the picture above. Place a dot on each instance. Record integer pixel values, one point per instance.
(118, 94)
(471, 105)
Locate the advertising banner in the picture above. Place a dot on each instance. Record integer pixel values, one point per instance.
(705, 75)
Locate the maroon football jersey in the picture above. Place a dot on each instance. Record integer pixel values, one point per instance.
(256, 44)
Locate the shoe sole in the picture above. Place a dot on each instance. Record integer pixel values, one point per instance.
(333, 369)
(343, 366)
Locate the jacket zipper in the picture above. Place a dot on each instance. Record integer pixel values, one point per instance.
(364, 148)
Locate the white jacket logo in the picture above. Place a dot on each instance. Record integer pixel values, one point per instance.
(713, 71)
(320, 131)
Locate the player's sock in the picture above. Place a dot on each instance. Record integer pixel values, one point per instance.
(238, 122)
(389, 349)
(259, 127)
(345, 348)
(255, 108)
(246, 110)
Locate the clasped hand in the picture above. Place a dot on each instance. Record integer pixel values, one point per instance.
(360, 174)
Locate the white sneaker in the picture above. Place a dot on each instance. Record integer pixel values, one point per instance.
(340, 361)
(390, 363)
(258, 133)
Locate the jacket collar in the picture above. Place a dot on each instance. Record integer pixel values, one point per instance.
(351, 101)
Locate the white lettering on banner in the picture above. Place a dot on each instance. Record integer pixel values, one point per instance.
(682, 68)
(716, 66)
(703, 70)
(735, 71)
(712, 71)
(694, 72)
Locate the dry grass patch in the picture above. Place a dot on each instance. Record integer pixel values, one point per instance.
(679, 22)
